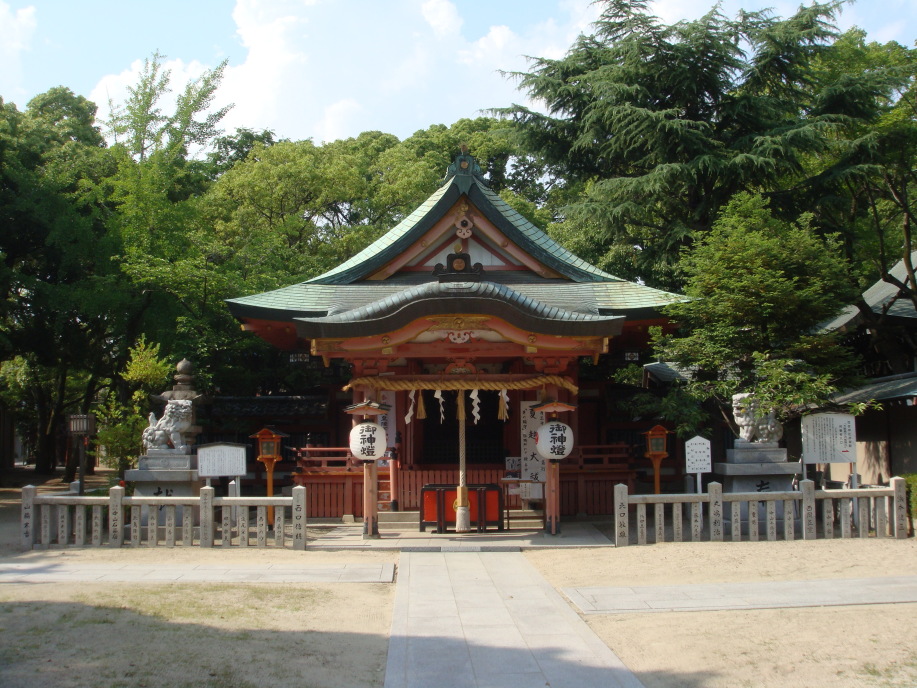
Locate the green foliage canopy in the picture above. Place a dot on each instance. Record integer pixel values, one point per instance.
(759, 287)
(654, 127)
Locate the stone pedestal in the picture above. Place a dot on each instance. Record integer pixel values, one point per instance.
(757, 467)
(165, 474)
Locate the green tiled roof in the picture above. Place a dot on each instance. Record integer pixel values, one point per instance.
(882, 297)
(310, 300)
(583, 289)
(395, 240)
(532, 239)
(520, 231)
(880, 389)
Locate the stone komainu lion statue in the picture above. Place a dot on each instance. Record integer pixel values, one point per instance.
(168, 431)
(755, 426)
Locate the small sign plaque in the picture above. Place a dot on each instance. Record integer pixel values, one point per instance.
(829, 438)
(697, 455)
(221, 458)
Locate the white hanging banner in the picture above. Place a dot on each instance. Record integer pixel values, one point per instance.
(533, 465)
(387, 420)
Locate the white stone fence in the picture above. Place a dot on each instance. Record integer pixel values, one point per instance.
(816, 513)
(71, 520)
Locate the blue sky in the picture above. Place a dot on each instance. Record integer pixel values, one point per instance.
(327, 69)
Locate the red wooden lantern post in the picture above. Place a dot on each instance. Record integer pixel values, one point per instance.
(269, 454)
(655, 450)
(553, 442)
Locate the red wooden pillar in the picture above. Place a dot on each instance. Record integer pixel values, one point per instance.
(370, 503)
(552, 498)
(394, 471)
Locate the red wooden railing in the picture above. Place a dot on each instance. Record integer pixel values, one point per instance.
(335, 480)
(322, 458)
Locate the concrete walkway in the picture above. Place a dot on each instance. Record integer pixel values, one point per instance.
(471, 619)
(410, 539)
(53, 571)
(757, 595)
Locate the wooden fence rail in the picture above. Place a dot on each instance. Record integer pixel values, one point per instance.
(116, 520)
(71, 520)
(878, 510)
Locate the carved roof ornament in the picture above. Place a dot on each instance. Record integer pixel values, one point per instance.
(448, 323)
(466, 169)
(463, 227)
(458, 268)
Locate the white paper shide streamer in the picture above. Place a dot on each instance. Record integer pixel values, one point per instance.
(442, 408)
(410, 414)
(475, 405)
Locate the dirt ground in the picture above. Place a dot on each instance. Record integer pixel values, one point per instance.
(336, 635)
(841, 647)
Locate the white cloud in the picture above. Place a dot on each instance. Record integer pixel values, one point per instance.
(272, 32)
(499, 45)
(443, 17)
(311, 69)
(339, 120)
(16, 31)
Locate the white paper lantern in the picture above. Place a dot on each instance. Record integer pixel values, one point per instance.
(554, 441)
(367, 441)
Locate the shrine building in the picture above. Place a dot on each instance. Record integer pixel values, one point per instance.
(465, 328)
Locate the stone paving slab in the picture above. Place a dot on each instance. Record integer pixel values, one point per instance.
(758, 595)
(34, 572)
(525, 635)
(410, 539)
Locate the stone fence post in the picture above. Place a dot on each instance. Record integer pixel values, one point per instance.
(299, 517)
(809, 516)
(622, 524)
(116, 516)
(27, 522)
(207, 517)
(900, 507)
(715, 495)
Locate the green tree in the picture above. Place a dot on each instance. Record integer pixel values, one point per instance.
(759, 287)
(156, 192)
(229, 150)
(866, 185)
(120, 423)
(653, 128)
(62, 294)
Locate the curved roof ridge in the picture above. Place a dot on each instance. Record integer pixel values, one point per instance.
(439, 298)
(444, 290)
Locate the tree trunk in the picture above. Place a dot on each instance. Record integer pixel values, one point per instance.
(45, 451)
(72, 463)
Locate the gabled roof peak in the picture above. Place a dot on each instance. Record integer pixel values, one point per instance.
(465, 168)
